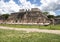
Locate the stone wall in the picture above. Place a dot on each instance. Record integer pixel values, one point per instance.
(32, 16)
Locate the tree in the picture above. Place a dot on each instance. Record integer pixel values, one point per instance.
(57, 16)
(51, 18)
(5, 16)
(46, 13)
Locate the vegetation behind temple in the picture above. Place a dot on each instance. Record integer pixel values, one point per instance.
(5, 16)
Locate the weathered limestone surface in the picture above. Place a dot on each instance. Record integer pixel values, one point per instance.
(28, 16)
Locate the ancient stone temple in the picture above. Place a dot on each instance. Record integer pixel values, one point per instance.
(28, 16)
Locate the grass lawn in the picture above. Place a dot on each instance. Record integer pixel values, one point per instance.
(55, 27)
(21, 36)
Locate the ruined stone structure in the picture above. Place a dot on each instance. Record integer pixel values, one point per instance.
(28, 16)
(57, 20)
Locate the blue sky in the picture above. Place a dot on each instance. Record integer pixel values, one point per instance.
(9, 6)
(37, 2)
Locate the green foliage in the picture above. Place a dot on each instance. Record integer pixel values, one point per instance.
(5, 16)
(50, 27)
(21, 36)
(45, 13)
(50, 16)
(58, 16)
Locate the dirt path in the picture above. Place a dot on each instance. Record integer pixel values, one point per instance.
(32, 30)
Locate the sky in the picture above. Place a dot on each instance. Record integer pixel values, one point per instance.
(10, 6)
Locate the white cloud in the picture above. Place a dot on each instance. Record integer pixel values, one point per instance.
(11, 6)
(8, 7)
(50, 5)
(26, 4)
(52, 13)
(2, 6)
(46, 5)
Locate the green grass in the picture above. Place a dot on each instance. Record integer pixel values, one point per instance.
(21, 36)
(55, 27)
